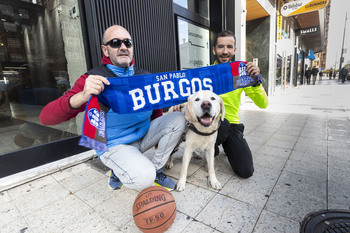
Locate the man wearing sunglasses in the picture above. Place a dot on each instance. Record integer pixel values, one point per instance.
(128, 135)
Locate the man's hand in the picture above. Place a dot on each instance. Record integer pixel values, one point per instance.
(252, 69)
(178, 108)
(94, 85)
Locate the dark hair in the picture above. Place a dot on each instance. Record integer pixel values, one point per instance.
(224, 34)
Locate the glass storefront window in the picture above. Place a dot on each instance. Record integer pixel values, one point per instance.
(200, 7)
(41, 56)
(194, 45)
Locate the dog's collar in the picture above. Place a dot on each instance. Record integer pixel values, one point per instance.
(194, 129)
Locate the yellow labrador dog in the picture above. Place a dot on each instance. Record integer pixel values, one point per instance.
(202, 113)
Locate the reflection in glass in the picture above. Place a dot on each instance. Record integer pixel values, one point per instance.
(194, 45)
(200, 7)
(34, 64)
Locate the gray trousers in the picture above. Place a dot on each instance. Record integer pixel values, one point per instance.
(134, 169)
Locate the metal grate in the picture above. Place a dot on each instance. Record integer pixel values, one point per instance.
(150, 23)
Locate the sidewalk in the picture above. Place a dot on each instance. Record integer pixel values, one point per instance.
(301, 150)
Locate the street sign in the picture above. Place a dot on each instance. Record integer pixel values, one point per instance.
(302, 6)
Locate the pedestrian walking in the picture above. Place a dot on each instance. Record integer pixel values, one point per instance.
(314, 75)
(308, 74)
(320, 74)
(342, 74)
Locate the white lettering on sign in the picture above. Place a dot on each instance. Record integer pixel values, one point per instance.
(309, 30)
(167, 90)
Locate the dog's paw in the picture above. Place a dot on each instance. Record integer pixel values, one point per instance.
(216, 184)
(169, 164)
(180, 187)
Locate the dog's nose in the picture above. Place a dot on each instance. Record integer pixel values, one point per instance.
(206, 105)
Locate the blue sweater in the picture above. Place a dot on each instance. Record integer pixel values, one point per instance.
(125, 128)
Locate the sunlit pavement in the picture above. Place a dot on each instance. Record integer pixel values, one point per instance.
(301, 149)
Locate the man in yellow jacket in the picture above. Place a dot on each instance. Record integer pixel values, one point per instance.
(230, 133)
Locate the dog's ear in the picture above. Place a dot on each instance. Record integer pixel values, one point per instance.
(189, 114)
(222, 108)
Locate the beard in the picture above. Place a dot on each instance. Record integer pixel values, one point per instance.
(223, 58)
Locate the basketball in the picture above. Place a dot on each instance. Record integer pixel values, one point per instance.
(154, 210)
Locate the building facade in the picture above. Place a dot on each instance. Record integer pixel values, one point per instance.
(46, 45)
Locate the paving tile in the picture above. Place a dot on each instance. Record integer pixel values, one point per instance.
(339, 175)
(192, 200)
(284, 137)
(52, 217)
(180, 223)
(201, 178)
(313, 186)
(223, 165)
(31, 187)
(71, 171)
(118, 209)
(96, 193)
(262, 135)
(309, 157)
(341, 150)
(268, 161)
(8, 212)
(272, 223)
(309, 169)
(79, 180)
(89, 221)
(311, 145)
(4, 197)
(267, 128)
(340, 144)
(314, 135)
(339, 138)
(17, 225)
(195, 226)
(338, 195)
(253, 139)
(39, 198)
(295, 196)
(294, 205)
(297, 120)
(339, 162)
(290, 130)
(228, 215)
(255, 190)
(275, 151)
(130, 227)
(193, 166)
(280, 143)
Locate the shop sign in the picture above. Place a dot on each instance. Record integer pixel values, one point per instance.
(309, 30)
(302, 6)
(194, 45)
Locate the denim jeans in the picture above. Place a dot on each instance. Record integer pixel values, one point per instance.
(134, 169)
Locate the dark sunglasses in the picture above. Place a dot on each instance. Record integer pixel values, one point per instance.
(116, 43)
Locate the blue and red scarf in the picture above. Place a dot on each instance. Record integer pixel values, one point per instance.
(155, 91)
